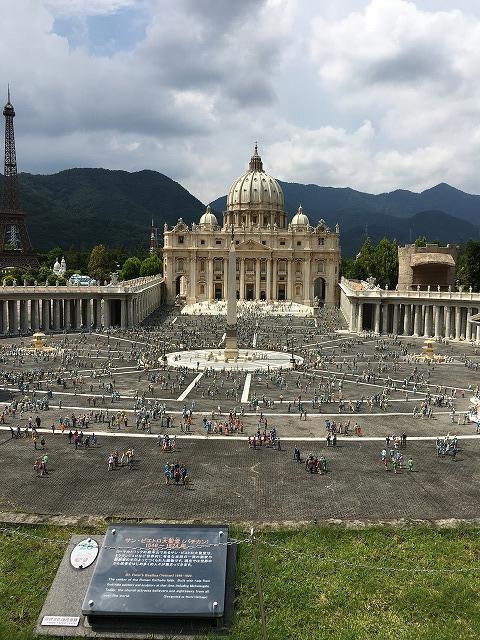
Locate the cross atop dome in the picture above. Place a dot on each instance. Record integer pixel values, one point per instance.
(256, 163)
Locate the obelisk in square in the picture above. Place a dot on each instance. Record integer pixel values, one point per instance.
(231, 343)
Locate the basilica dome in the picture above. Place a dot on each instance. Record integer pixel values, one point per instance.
(255, 189)
(208, 217)
(300, 219)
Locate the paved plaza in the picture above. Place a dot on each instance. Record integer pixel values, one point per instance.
(118, 382)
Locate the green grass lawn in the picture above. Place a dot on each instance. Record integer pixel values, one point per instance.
(306, 597)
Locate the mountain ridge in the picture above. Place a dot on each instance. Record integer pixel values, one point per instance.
(83, 206)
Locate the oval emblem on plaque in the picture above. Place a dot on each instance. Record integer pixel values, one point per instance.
(84, 554)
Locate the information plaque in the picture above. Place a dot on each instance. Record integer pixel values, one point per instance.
(159, 571)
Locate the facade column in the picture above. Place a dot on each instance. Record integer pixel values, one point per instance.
(35, 314)
(417, 331)
(210, 278)
(257, 279)
(274, 279)
(24, 316)
(360, 317)
(447, 314)
(289, 280)
(396, 309)
(478, 333)
(242, 279)
(307, 295)
(46, 315)
(468, 328)
(56, 314)
(458, 322)
(269, 279)
(438, 322)
(377, 318)
(66, 315)
(407, 320)
(225, 279)
(192, 289)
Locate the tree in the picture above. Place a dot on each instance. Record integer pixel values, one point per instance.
(151, 266)
(421, 241)
(386, 263)
(98, 263)
(468, 268)
(131, 268)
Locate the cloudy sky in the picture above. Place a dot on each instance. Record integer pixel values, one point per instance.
(371, 94)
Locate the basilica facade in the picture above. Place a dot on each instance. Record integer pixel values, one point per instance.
(277, 260)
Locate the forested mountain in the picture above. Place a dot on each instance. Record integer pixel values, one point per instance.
(84, 207)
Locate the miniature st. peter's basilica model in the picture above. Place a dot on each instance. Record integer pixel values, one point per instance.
(276, 260)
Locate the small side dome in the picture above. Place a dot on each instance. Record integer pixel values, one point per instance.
(208, 217)
(300, 219)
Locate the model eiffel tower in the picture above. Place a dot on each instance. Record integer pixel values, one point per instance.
(15, 246)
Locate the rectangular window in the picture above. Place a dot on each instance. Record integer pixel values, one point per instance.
(282, 243)
(202, 241)
(218, 242)
(321, 241)
(180, 239)
(299, 244)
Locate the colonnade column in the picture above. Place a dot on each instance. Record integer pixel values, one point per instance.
(131, 321)
(123, 313)
(56, 314)
(468, 328)
(384, 318)
(428, 321)
(269, 279)
(242, 278)
(24, 325)
(478, 333)
(5, 316)
(66, 315)
(407, 320)
(396, 309)
(377, 318)
(88, 315)
(360, 318)
(438, 321)
(447, 315)
(35, 314)
(46, 315)
(417, 328)
(257, 279)
(106, 313)
(289, 280)
(458, 322)
(15, 321)
(78, 313)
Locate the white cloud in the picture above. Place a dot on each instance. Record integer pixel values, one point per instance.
(88, 7)
(372, 95)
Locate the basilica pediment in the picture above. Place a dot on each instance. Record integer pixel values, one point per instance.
(251, 245)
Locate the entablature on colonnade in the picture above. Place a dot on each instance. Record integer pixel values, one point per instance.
(429, 313)
(135, 286)
(26, 309)
(410, 295)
